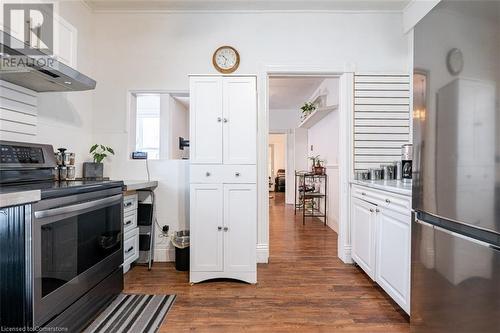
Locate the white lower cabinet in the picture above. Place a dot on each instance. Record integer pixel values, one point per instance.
(393, 256)
(223, 232)
(363, 235)
(381, 241)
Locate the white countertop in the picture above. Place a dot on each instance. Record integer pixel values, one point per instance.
(394, 186)
(132, 185)
(14, 198)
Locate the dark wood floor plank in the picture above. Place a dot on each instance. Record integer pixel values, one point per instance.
(304, 288)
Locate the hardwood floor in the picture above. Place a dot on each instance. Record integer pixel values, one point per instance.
(305, 288)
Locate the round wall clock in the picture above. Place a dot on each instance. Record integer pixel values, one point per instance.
(455, 61)
(226, 59)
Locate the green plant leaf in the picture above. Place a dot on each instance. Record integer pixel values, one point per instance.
(93, 148)
(110, 150)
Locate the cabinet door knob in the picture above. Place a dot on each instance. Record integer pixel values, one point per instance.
(219, 228)
(237, 174)
(225, 120)
(226, 228)
(377, 210)
(219, 119)
(371, 210)
(387, 200)
(207, 174)
(363, 193)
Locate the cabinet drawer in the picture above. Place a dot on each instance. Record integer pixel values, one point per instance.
(231, 174)
(384, 199)
(206, 174)
(131, 246)
(237, 174)
(129, 203)
(129, 221)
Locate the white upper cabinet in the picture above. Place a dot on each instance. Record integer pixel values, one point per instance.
(240, 215)
(206, 120)
(223, 120)
(240, 120)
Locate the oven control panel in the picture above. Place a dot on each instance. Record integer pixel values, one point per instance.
(21, 154)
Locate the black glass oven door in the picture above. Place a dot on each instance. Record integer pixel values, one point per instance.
(75, 247)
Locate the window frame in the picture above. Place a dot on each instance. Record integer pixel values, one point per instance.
(165, 119)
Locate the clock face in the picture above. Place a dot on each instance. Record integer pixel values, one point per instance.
(226, 59)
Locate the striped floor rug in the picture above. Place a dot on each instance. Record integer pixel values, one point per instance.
(133, 313)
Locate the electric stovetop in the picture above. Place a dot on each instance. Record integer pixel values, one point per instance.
(51, 189)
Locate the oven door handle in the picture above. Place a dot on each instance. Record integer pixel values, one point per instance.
(74, 208)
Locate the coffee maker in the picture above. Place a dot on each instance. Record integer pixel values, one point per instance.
(406, 161)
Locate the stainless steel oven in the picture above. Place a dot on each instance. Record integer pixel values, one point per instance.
(77, 242)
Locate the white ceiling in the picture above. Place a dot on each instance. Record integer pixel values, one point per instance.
(207, 5)
(290, 93)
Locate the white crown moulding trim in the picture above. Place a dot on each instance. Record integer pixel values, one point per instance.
(238, 11)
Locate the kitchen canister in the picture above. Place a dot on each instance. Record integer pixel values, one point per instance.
(71, 172)
(63, 173)
(375, 174)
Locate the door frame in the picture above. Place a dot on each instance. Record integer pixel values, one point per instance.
(346, 102)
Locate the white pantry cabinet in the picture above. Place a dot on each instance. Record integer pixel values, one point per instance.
(223, 195)
(381, 239)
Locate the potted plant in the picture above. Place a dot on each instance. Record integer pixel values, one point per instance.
(96, 169)
(307, 109)
(317, 165)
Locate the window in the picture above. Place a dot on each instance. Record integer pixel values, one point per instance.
(157, 122)
(147, 131)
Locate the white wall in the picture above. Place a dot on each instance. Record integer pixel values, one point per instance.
(159, 50)
(179, 126)
(66, 119)
(323, 138)
(279, 143)
(282, 119)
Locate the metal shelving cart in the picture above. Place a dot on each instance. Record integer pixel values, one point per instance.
(311, 195)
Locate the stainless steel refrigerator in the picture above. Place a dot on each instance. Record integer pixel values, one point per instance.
(455, 285)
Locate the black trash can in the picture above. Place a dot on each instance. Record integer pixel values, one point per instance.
(181, 242)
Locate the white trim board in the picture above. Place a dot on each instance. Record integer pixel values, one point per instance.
(346, 75)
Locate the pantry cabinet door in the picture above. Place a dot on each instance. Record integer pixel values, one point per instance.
(393, 256)
(364, 218)
(206, 227)
(240, 227)
(240, 120)
(205, 120)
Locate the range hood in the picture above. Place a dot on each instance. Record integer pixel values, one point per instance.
(36, 70)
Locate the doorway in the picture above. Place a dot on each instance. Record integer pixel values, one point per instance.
(304, 120)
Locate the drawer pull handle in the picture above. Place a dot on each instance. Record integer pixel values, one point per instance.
(377, 210)
(363, 193)
(237, 174)
(387, 200)
(226, 228)
(129, 249)
(219, 119)
(129, 222)
(128, 204)
(208, 174)
(225, 120)
(371, 210)
(219, 228)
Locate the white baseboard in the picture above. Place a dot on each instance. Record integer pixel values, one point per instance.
(164, 255)
(262, 253)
